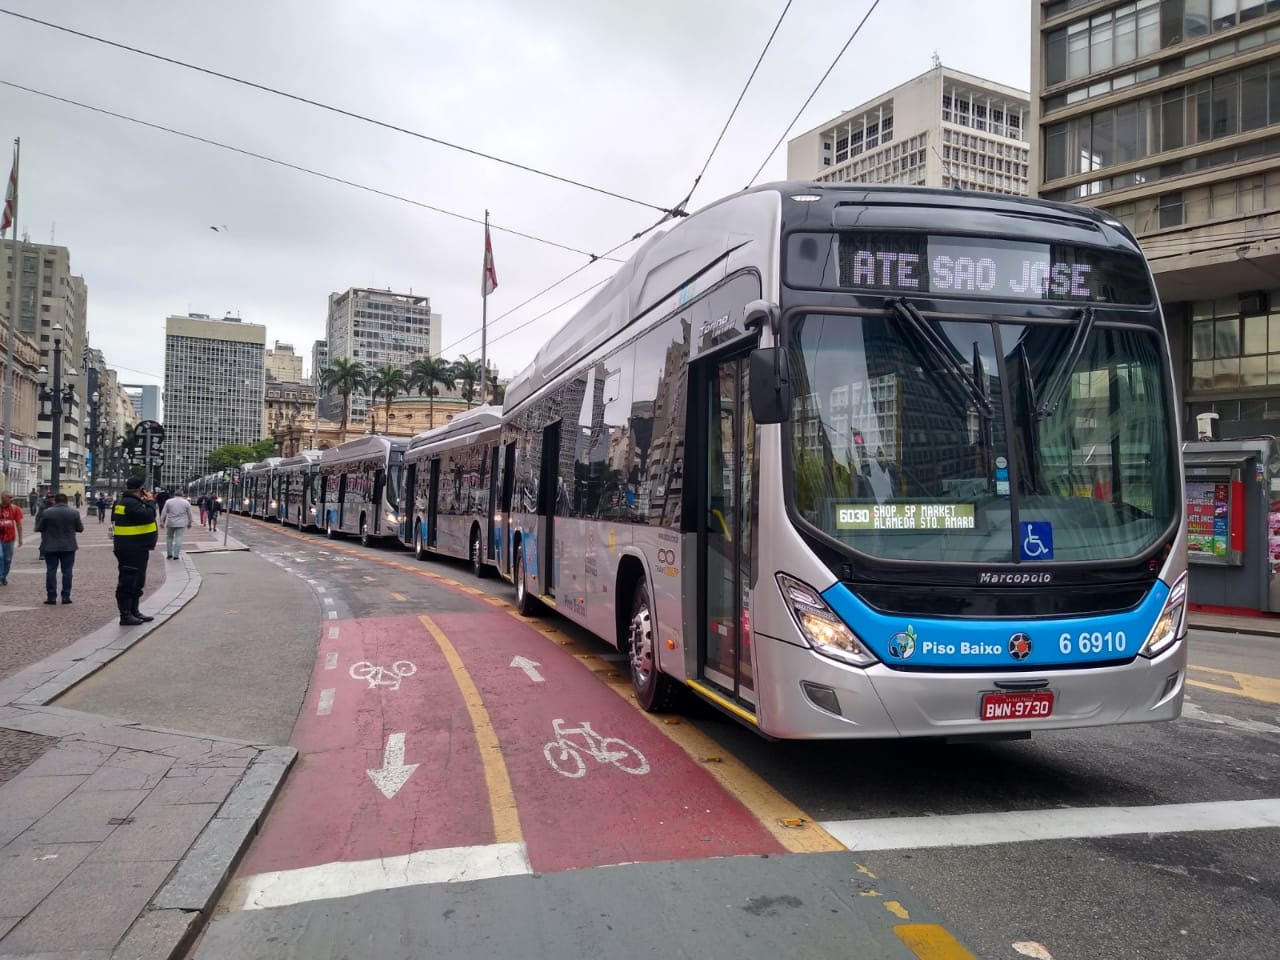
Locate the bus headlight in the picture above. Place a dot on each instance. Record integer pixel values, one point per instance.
(1171, 625)
(392, 518)
(820, 626)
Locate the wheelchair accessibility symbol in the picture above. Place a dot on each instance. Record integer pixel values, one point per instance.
(1037, 540)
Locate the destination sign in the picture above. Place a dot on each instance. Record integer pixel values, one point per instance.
(905, 516)
(917, 263)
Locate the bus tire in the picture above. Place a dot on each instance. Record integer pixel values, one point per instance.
(365, 539)
(419, 548)
(328, 527)
(655, 691)
(526, 606)
(474, 553)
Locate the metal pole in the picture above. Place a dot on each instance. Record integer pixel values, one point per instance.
(13, 324)
(146, 456)
(55, 411)
(484, 316)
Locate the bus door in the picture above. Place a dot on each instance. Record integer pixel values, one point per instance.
(342, 499)
(321, 513)
(508, 487)
(379, 482)
(408, 501)
(724, 548)
(490, 524)
(433, 501)
(548, 488)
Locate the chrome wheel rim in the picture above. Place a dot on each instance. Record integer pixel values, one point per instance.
(641, 645)
(475, 551)
(519, 571)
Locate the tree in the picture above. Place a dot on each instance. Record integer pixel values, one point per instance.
(497, 392)
(467, 372)
(262, 449)
(345, 376)
(426, 375)
(233, 455)
(388, 382)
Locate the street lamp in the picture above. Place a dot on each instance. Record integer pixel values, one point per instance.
(56, 397)
(94, 452)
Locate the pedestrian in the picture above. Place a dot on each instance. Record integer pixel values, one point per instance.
(135, 535)
(102, 507)
(175, 517)
(203, 504)
(48, 502)
(33, 500)
(58, 526)
(215, 507)
(77, 499)
(10, 534)
(161, 496)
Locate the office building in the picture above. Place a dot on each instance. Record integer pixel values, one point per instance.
(943, 128)
(145, 398)
(283, 364)
(214, 379)
(50, 295)
(289, 415)
(376, 327)
(23, 427)
(319, 360)
(1166, 114)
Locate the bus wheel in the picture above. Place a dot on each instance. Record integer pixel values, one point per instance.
(328, 527)
(655, 691)
(524, 602)
(364, 533)
(477, 561)
(419, 548)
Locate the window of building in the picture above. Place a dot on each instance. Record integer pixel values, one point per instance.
(1171, 210)
(1229, 351)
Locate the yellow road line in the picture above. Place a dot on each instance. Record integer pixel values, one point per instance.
(399, 596)
(931, 941)
(1251, 686)
(502, 799)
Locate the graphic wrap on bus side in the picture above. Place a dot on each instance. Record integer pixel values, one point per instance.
(912, 642)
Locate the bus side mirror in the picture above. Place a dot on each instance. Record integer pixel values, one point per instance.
(770, 385)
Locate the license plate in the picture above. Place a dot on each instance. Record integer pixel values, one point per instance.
(1029, 705)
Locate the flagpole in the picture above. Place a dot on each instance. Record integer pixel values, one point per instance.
(484, 318)
(13, 322)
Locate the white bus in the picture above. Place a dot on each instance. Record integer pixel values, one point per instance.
(361, 487)
(451, 497)
(260, 489)
(833, 459)
(297, 487)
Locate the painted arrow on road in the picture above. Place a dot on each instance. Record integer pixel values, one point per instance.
(395, 772)
(530, 667)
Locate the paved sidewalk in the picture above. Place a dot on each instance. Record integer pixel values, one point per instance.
(118, 839)
(1264, 626)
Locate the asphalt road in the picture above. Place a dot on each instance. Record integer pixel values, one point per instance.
(1069, 875)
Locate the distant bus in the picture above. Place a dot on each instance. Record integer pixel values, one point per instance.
(260, 489)
(296, 488)
(853, 461)
(450, 495)
(361, 485)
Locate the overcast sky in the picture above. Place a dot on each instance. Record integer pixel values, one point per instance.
(627, 96)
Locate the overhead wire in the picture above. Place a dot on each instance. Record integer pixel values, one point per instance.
(321, 105)
(814, 91)
(301, 169)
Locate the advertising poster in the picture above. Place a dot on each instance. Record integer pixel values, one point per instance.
(1207, 503)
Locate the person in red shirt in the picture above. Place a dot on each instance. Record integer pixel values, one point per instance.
(10, 534)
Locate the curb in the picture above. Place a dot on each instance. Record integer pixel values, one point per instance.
(1233, 628)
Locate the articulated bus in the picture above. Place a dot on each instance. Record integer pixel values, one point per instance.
(449, 489)
(297, 487)
(361, 485)
(863, 462)
(260, 489)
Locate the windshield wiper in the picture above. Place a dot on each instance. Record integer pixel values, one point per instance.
(938, 350)
(1058, 385)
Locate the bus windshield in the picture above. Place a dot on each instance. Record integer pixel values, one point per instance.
(890, 457)
(395, 473)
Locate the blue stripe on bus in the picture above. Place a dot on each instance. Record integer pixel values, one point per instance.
(1053, 642)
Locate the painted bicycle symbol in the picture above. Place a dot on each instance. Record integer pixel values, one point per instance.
(566, 755)
(383, 676)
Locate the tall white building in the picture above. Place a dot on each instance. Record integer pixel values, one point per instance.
(376, 327)
(51, 295)
(214, 381)
(283, 364)
(145, 398)
(943, 128)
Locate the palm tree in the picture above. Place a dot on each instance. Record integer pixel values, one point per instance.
(467, 372)
(388, 382)
(427, 375)
(345, 376)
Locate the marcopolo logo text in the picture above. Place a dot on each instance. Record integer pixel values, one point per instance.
(1003, 579)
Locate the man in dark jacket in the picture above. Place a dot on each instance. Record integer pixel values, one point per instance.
(133, 539)
(58, 526)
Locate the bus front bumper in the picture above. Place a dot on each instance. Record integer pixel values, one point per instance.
(882, 703)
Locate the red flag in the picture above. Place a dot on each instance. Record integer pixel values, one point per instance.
(10, 198)
(489, 282)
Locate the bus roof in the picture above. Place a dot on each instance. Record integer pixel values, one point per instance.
(744, 230)
(301, 459)
(476, 419)
(362, 447)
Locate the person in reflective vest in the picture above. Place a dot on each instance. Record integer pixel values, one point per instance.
(134, 537)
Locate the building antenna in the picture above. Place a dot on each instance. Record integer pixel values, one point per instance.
(955, 184)
(937, 60)
(53, 232)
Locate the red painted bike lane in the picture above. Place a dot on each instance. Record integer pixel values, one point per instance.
(402, 696)
(594, 781)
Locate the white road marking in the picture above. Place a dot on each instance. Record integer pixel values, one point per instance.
(394, 772)
(319, 589)
(565, 755)
(328, 601)
(1192, 711)
(981, 829)
(333, 614)
(333, 633)
(383, 676)
(331, 660)
(280, 888)
(325, 706)
(530, 668)
(1029, 948)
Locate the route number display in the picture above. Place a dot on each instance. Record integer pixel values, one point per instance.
(905, 516)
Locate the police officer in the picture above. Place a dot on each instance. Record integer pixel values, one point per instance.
(134, 517)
